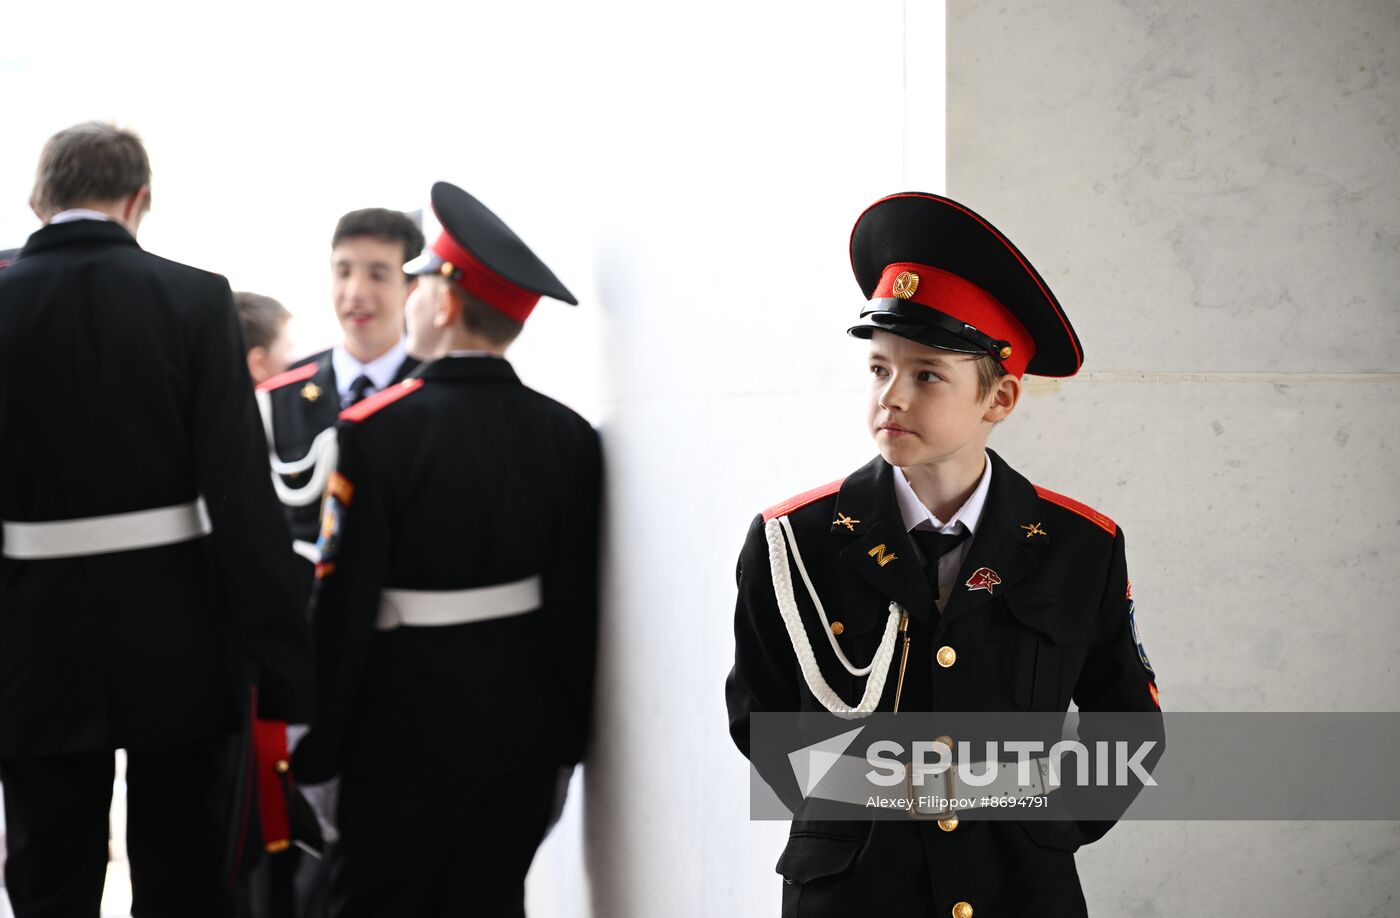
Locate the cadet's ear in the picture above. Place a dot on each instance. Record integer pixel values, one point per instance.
(1003, 398)
(449, 307)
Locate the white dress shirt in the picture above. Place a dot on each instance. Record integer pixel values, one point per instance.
(917, 516)
(380, 371)
(79, 213)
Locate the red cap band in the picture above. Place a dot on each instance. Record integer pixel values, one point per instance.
(483, 283)
(963, 300)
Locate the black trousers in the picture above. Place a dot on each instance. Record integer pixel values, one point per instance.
(56, 811)
(435, 843)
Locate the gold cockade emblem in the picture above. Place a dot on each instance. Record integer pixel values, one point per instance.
(906, 284)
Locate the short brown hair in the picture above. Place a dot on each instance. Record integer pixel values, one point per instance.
(89, 162)
(989, 370)
(487, 321)
(262, 319)
(388, 225)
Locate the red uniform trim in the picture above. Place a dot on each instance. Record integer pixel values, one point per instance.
(953, 296)
(270, 743)
(802, 500)
(296, 374)
(1084, 510)
(379, 399)
(486, 285)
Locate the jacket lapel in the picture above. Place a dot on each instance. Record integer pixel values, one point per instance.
(1001, 553)
(882, 553)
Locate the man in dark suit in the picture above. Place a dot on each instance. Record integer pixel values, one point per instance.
(143, 569)
(456, 607)
(369, 289)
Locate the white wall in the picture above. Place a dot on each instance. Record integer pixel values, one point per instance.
(690, 172)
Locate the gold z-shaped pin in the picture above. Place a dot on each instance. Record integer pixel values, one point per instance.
(1033, 529)
(881, 556)
(844, 520)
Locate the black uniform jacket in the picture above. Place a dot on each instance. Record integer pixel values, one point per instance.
(461, 478)
(123, 387)
(304, 403)
(1055, 628)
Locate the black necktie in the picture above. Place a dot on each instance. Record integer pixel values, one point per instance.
(359, 388)
(935, 545)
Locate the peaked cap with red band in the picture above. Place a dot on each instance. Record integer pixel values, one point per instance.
(481, 254)
(939, 274)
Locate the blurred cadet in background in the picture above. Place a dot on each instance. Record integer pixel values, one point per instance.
(368, 289)
(143, 569)
(265, 334)
(457, 600)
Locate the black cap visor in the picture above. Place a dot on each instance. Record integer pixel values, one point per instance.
(925, 325)
(429, 262)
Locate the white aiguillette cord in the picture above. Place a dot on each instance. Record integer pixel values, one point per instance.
(323, 455)
(779, 533)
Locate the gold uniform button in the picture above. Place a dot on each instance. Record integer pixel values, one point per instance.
(837, 628)
(282, 766)
(962, 910)
(947, 656)
(949, 824)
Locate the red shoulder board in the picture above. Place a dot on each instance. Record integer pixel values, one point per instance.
(379, 399)
(802, 500)
(1074, 506)
(294, 375)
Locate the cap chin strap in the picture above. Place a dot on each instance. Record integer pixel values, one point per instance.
(919, 314)
(320, 458)
(779, 534)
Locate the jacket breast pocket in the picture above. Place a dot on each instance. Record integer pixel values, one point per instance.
(1051, 642)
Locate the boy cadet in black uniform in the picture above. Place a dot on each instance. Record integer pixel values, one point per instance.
(142, 553)
(1011, 597)
(300, 406)
(456, 604)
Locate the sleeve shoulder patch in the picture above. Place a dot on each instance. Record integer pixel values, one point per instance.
(379, 400)
(801, 500)
(1074, 506)
(294, 375)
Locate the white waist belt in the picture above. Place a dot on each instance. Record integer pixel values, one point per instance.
(431, 608)
(102, 535)
(847, 782)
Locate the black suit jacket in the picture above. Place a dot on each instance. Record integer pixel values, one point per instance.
(123, 387)
(461, 478)
(1055, 627)
(303, 405)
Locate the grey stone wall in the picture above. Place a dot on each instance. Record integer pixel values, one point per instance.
(1213, 191)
